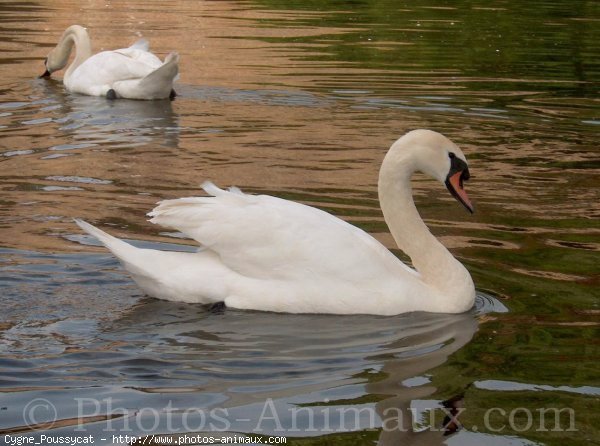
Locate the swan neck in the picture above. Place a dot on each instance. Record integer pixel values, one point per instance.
(74, 36)
(429, 257)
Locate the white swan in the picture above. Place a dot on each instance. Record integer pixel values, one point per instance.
(132, 73)
(266, 253)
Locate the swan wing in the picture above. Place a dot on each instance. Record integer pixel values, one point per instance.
(265, 237)
(111, 66)
(141, 55)
(102, 70)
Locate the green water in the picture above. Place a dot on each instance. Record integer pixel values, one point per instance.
(536, 64)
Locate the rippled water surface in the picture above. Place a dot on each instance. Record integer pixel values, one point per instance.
(301, 100)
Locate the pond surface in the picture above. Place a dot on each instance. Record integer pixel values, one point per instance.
(302, 100)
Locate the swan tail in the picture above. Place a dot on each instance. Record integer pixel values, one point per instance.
(144, 265)
(172, 57)
(156, 85)
(131, 257)
(166, 274)
(115, 245)
(163, 77)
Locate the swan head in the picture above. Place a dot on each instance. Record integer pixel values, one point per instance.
(435, 155)
(58, 58)
(54, 62)
(46, 73)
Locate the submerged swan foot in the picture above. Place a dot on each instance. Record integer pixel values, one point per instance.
(217, 308)
(111, 94)
(172, 95)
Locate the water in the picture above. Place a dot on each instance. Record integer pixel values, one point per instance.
(301, 100)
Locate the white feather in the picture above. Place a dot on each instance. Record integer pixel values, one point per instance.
(265, 253)
(133, 73)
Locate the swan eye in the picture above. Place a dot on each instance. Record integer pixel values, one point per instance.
(451, 155)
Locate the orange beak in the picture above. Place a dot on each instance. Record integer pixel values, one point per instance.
(454, 183)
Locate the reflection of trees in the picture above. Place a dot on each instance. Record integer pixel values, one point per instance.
(456, 330)
(514, 39)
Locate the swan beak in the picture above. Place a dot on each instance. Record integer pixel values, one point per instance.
(454, 183)
(47, 72)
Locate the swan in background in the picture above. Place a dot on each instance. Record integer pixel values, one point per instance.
(264, 253)
(132, 73)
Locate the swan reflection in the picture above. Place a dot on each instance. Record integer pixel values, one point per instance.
(179, 363)
(92, 121)
(285, 371)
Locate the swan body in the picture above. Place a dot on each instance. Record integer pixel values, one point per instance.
(132, 73)
(266, 253)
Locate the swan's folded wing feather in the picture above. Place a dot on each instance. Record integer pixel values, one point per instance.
(106, 68)
(266, 237)
(140, 56)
